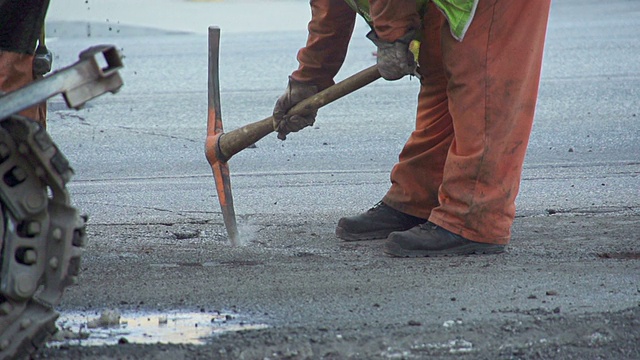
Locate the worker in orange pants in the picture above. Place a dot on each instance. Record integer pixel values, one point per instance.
(453, 189)
(20, 30)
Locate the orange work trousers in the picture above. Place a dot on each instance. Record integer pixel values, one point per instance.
(16, 71)
(461, 167)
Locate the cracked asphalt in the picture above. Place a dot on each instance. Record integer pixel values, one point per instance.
(568, 287)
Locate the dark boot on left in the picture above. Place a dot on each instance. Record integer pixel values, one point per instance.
(429, 239)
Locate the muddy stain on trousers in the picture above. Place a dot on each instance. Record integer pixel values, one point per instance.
(461, 167)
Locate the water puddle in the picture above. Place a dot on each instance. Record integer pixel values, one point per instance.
(110, 327)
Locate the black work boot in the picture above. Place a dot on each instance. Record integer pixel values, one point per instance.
(429, 239)
(376, 223)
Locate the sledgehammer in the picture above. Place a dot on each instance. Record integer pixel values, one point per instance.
(220, 146)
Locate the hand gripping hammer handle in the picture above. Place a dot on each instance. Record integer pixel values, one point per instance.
(229, 144)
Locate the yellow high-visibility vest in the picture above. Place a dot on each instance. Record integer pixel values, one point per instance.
(459, 13)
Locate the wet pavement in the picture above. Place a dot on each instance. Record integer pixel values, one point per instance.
(110, 327)
(568, 287)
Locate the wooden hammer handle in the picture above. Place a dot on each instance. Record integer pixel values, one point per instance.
(239, 139)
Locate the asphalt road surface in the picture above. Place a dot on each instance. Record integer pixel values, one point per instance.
(568, 286)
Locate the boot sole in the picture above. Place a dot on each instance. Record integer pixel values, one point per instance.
(395, 250)
(374, 235)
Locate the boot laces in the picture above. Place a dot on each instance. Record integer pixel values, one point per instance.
(377, 207)
(428, 226)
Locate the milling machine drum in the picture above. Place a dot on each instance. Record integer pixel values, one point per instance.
(41, 236)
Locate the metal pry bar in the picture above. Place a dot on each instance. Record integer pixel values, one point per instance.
(94, 74)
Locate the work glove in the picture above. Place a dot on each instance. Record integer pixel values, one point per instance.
(395, 59)
(296, 92)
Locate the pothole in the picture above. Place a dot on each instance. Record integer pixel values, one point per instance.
(110, 327)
